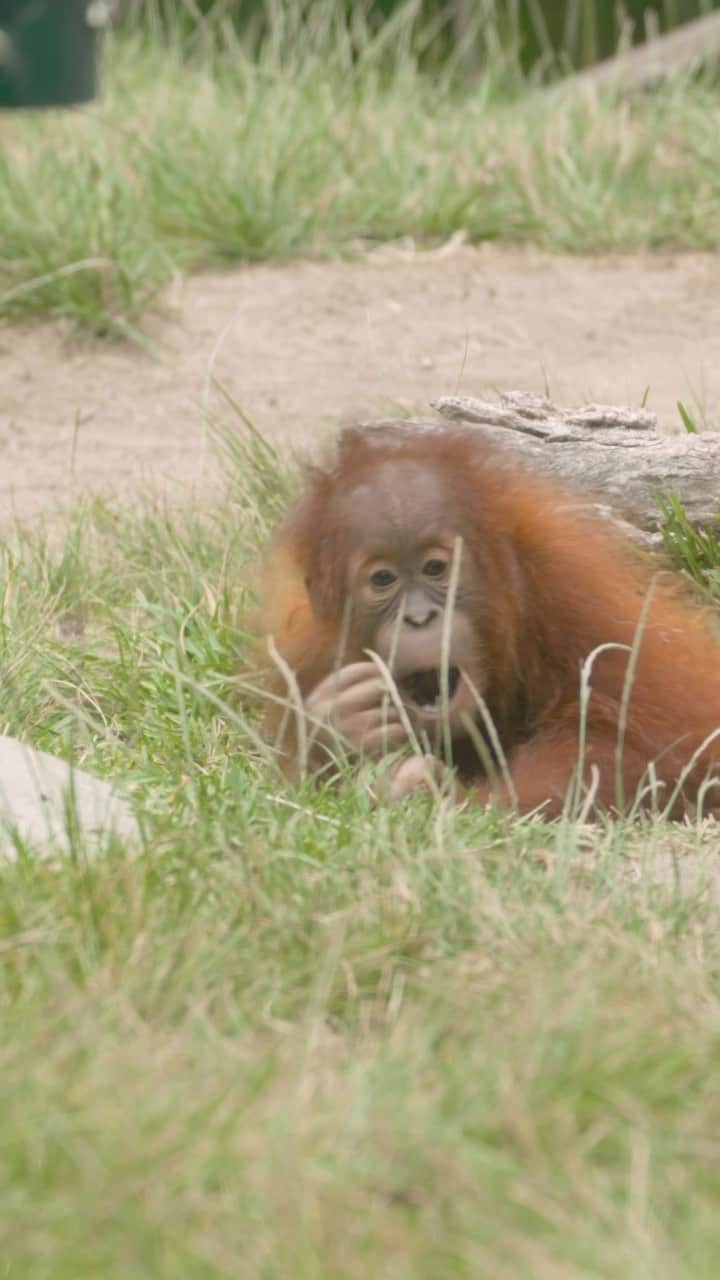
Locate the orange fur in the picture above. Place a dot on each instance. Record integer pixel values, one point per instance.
(558, 583)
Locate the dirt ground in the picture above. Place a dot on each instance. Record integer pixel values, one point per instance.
(307, 345)
(303, 346)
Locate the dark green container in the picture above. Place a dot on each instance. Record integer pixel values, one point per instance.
(48, 51)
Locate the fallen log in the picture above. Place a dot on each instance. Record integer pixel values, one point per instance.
(692, 45)
(616, 457)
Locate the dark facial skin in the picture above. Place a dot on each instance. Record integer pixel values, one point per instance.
(408, 569)
(543, 595)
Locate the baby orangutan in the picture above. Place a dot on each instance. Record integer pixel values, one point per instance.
(424, 555)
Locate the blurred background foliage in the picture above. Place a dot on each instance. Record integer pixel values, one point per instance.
(544, 36)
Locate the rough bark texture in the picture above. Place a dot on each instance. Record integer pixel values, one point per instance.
(616, 456)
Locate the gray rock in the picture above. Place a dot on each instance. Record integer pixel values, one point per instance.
(49, 807)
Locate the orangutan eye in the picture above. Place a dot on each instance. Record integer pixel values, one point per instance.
(434, 568)
(381, 579)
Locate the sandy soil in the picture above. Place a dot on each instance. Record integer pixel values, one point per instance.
(302, 346)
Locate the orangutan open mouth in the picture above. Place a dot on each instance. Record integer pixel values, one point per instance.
(424, 688)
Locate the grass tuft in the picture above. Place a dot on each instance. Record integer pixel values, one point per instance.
(695, 550)
(321, 139)
(302, 1035)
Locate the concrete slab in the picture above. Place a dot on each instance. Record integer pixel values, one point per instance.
(48, 807)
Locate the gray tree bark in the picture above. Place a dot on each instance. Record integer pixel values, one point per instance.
(693, 44)
(616, 457)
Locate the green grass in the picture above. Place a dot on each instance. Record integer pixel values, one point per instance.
(301, 1036)
(298, 1035)
(695, 551)
(319, 144)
